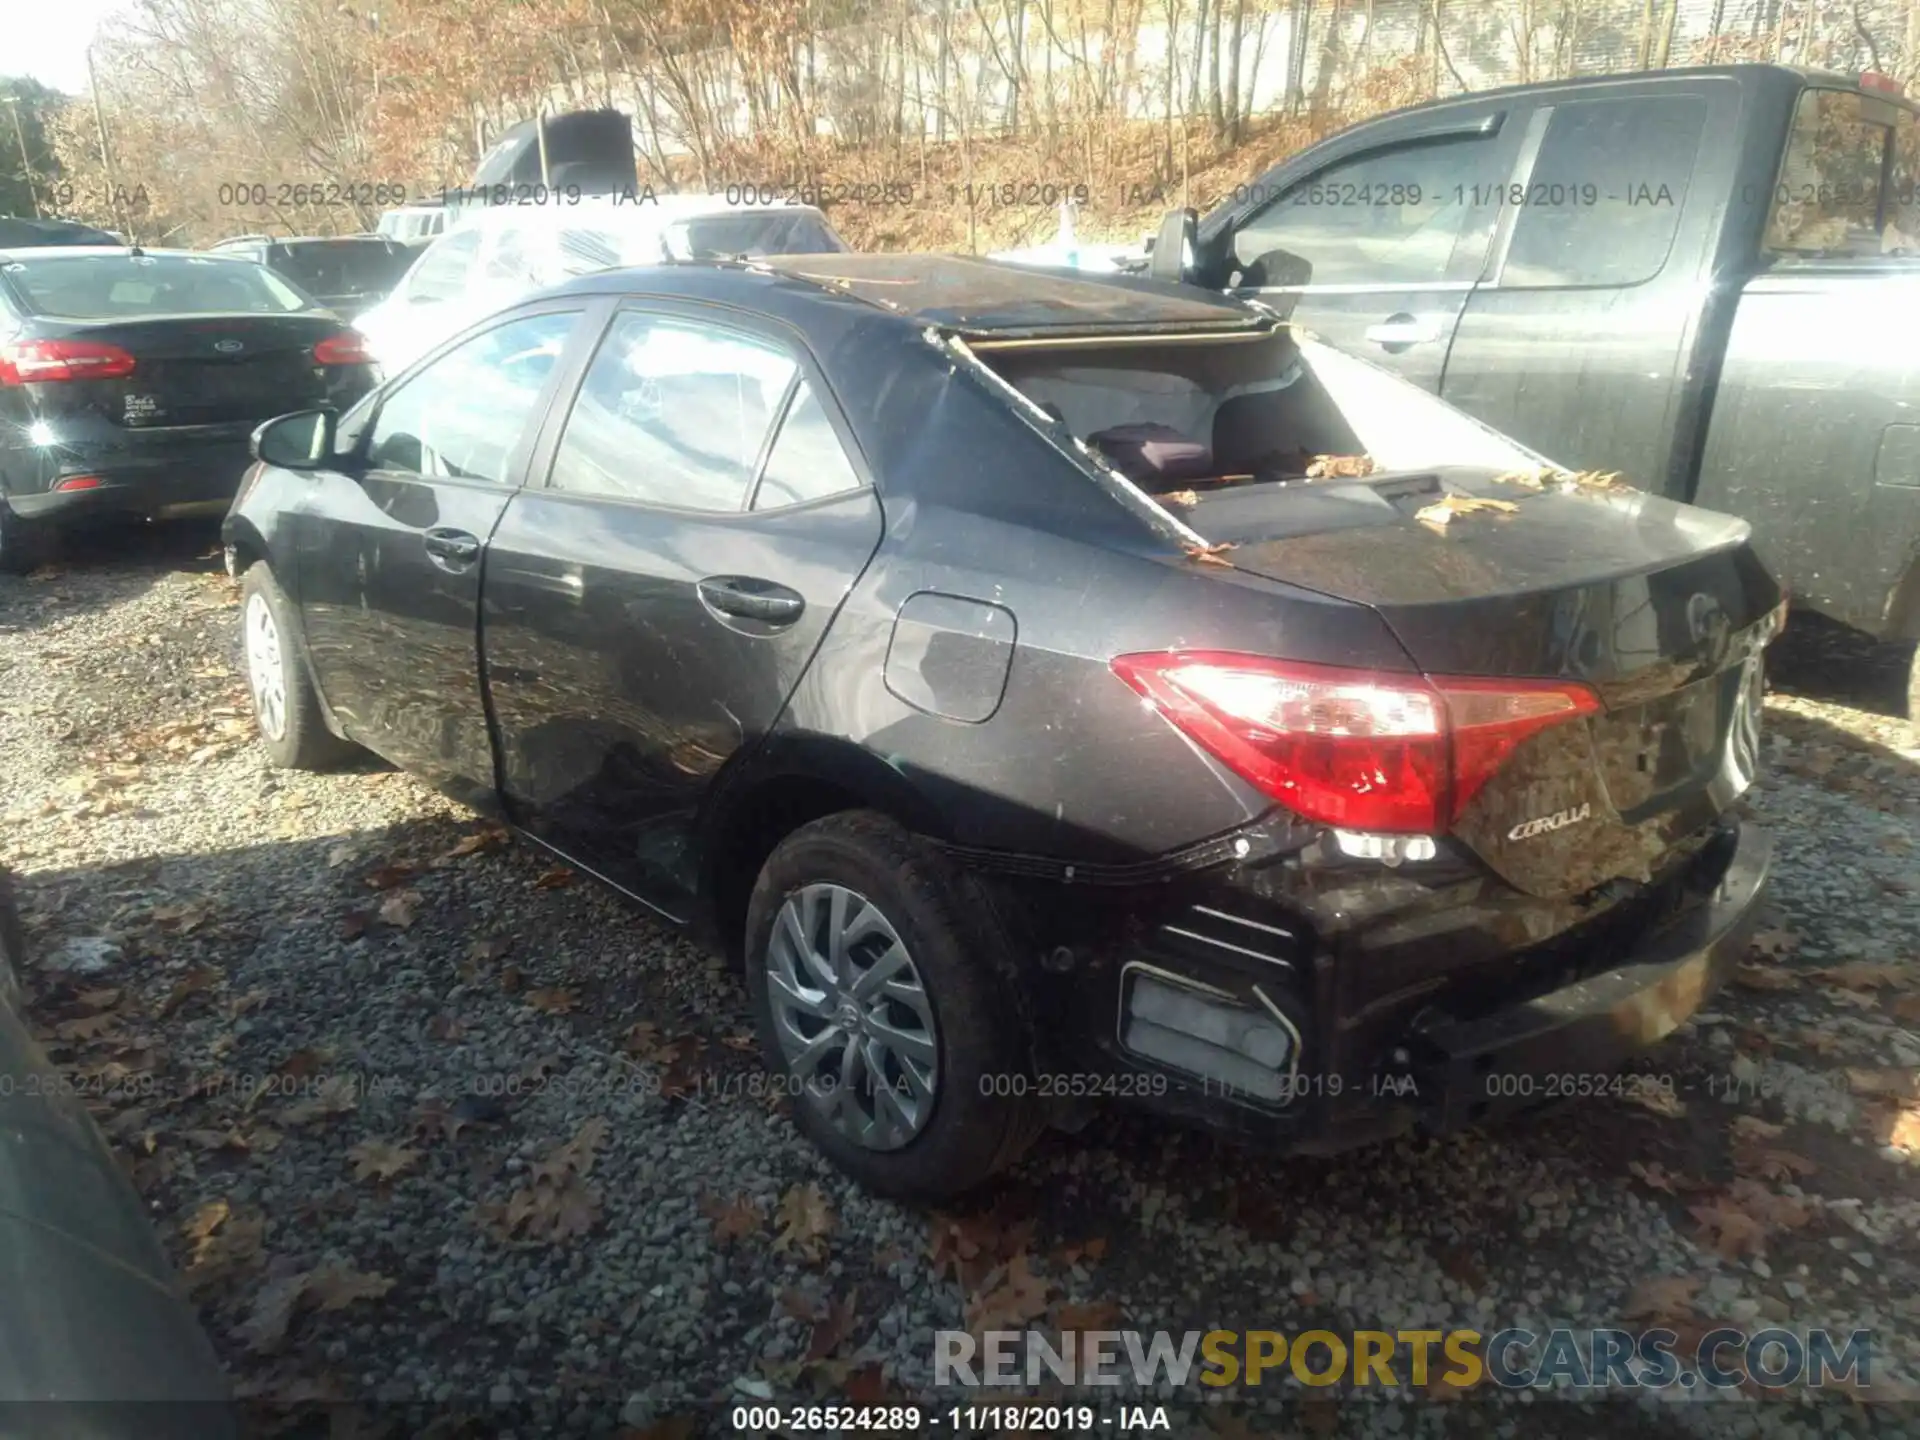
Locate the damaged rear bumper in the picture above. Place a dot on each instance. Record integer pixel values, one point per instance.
(1232, 1016)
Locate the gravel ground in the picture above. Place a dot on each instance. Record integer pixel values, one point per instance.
(423, 1121)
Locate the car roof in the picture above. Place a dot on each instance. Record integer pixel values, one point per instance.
(641, 209)
(959, 293)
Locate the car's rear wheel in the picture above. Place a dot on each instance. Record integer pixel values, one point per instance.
(285, 708)
(885, 1001)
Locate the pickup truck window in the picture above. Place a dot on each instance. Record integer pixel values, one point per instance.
(1389, 219)
(1830, 199)
(1603, 201)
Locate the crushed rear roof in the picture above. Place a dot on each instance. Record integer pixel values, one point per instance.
(987, 297)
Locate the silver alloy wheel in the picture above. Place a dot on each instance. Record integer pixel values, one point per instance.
(852, 1016)
(266, 672)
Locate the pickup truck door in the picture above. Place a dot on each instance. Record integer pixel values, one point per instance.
(1392, 220)
(1585, 337)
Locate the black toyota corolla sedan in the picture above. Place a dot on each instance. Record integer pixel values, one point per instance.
(1048, 689)
(130, 380)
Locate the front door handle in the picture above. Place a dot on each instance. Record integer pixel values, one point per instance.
(747, 598)
(456, 548)
(1399, 332)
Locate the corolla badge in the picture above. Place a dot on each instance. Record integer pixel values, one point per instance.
(228, 347)
(1559, 820)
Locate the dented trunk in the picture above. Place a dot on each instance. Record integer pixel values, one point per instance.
(1661, 609)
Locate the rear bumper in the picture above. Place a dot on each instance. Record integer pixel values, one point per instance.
(1557, 1045)
(178, 480)
(1458, 1042)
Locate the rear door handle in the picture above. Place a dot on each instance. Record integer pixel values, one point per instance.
(747, 598)
(1397, 332)
(455, 547)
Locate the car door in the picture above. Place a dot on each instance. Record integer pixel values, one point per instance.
(1376, 242)
(390, 547)
(647, 611)
(1585, 337)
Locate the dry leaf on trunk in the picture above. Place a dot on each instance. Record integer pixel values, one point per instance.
(1180, 499)
(1340, 467)
(1441, 512)
(1210, 554)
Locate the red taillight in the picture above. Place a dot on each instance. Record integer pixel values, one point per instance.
(346, 348)
(34, 362)
(1360, 749)
(79, 482)
(1885, 84)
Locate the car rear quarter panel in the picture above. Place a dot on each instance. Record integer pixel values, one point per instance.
(985, 517)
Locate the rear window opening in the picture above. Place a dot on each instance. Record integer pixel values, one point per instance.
(341, 267)
(129, 287)
(793, 231)
(1200, 411)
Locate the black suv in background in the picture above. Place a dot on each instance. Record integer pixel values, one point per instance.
(345, 273)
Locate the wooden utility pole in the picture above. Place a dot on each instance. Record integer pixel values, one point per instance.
(26, 164)
(106, 153)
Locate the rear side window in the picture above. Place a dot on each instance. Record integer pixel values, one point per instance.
(1604, 200)
(1830, 199)
(113, 287)
(806, 462)
(672, 412)
(766, 232)
(441, 273)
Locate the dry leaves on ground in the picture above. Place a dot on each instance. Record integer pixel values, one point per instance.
(734, 1219)
(380, 1159)
(557, 1204)
(331, 1287)
(806, 1223)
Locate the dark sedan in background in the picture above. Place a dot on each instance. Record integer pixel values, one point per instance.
(1050, 689)
(130, 380)
(95, 1341)
(345, 273)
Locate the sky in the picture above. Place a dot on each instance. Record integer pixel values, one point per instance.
(48, 41)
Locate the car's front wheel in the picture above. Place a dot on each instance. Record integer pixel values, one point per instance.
(285, 707)
(885, 1000)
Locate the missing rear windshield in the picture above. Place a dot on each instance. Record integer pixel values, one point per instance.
(1173, 416)
(129, 287)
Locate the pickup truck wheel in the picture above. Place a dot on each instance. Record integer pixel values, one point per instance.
(884, 1003)
(285, 708)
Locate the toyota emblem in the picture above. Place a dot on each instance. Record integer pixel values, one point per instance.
(228, 347)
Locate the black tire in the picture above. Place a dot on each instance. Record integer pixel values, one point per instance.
(969, 982)
(303, 741)
(22, 543)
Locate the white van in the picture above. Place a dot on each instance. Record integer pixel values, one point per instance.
(493, 256)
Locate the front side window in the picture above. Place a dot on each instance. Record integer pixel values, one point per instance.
(1392, 218)
(1603, 203)
(673, 412)
(1830, 199)
(463, 416)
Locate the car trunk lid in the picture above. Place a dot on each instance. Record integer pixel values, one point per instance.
(1661, 609)
(198, 369)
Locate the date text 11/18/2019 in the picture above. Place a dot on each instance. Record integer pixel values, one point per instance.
(964, 1419)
